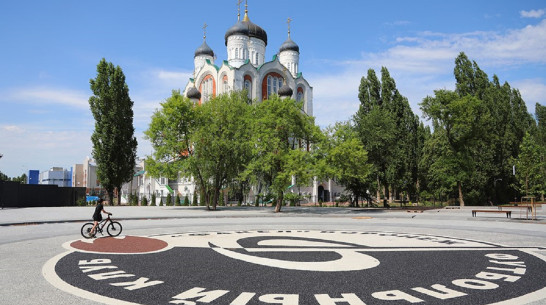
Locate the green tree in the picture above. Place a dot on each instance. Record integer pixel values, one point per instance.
(388, 130)
(345, 159)
(209, 142)
(186, 200)
(114, 143)
(529, 167)
(460, 121)
(278, 128)
(540, 114)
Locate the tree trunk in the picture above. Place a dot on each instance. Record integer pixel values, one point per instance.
(118, 191)
(378, 195)
(392, 193)
(110, 193)
(461, 201)
(279, 203)
(215, 198)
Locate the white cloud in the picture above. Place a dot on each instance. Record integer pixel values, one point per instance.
(425, 62)
(532, 91)
(53, 96)
(532, 13)
(28, 144)
(12, 129)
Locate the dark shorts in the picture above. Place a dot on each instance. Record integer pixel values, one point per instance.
(97, 217)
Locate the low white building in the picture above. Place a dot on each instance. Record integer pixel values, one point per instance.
(56, 176)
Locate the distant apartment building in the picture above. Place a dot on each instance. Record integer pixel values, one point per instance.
(85, 175)
(56, 176)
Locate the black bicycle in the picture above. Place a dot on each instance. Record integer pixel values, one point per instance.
(113, 228)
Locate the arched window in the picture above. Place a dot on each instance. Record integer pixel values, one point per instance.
(225, 84)
(207, 88)
(274, 83)
(236, 53)
(299, 96)
(248, 87)
(257, 61)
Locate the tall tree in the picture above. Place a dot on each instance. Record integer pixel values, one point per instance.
(388, 130)
(345, 159)
(210, 142)
(114, 143)
(529, 166)
(278, 125)
(460, 120)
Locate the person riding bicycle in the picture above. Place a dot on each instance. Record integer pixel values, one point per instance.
(97, 216)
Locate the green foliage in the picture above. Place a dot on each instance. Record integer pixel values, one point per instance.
(154, 200)
(529, 167)
(195, 199)
(133, 200)
(221, 201)
(186, 201)
(278, 127)
(388, 131)
(81, 202)
(209, 142)
(177, 200)
(169, 199)
(21, 179)
(114, 144)
(144, 201)
(293, 198)
(343, 158)
(478, 129)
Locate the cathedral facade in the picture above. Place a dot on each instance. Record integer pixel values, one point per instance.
(246, 68)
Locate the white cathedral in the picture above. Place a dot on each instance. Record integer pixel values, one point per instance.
(247, 68)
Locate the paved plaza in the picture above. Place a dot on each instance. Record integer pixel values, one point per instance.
(248, 255)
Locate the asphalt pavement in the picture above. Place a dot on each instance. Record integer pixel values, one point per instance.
(32, 238)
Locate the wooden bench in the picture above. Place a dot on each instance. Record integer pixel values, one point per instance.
(508, 213)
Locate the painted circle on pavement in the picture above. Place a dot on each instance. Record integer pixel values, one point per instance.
(298, 267)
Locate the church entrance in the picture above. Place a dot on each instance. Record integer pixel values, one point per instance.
(323, 195)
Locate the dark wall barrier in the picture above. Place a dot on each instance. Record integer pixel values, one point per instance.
(14, 194)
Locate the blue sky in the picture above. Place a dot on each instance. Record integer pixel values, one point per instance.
(49, 51)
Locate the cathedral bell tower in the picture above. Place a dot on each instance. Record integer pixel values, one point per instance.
(245, 41)
(289, 54)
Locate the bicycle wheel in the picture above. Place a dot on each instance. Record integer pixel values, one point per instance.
(114, 228)
(86, 230)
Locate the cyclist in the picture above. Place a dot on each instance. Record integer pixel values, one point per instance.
(97, 216)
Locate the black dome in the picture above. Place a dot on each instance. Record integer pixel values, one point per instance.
(285, 90)
(247, 28)
(289, 45)
(204, 49)
(237, 29)
(193, 93)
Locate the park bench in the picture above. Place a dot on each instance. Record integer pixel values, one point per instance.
(508, 213)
